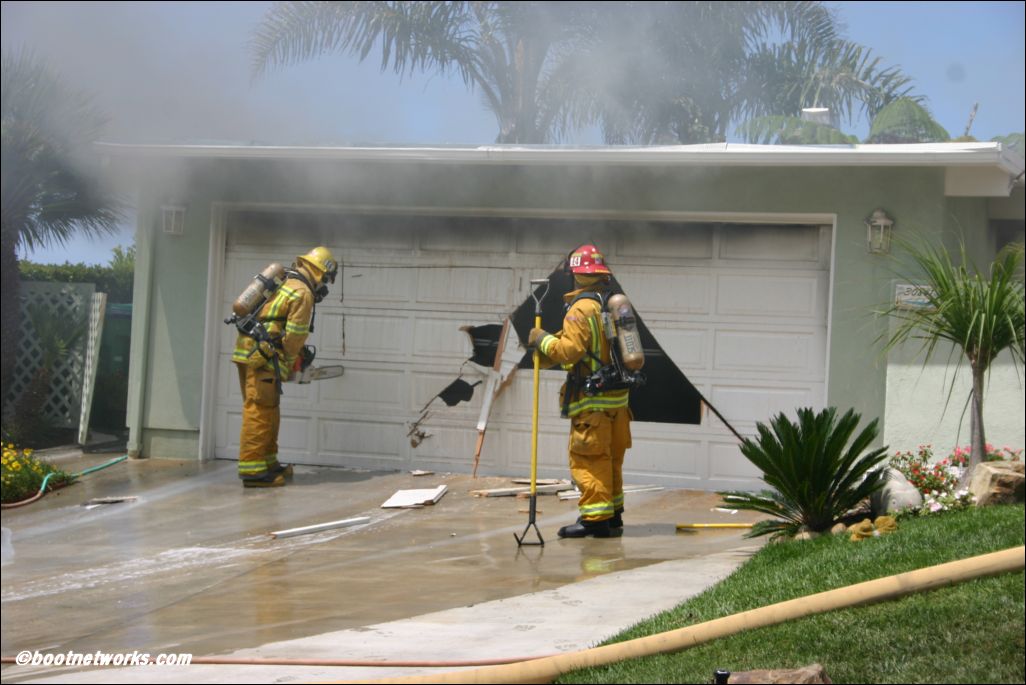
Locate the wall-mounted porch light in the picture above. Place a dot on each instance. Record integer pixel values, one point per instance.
(878, 232)
(173, 219)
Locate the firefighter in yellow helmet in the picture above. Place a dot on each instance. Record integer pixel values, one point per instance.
(287, 319)
(600, 431)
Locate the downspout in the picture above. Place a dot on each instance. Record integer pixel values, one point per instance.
(139, 354)
(212, 330)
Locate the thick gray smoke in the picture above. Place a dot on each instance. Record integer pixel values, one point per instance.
(180, 73)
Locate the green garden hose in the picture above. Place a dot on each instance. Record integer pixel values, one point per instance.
(42, 488)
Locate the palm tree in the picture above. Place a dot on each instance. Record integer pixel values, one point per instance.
(49, 188)
(686, 72)
(902, 120)
(521, 56)
(680, 72)
(981, 316)
(905, 121)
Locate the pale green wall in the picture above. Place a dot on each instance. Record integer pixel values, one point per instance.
(861, 282)
(927, 403)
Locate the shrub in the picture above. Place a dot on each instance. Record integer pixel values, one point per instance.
(928, 476)
(818, 472)
(115, 278)
(22, 475)
(938, 480)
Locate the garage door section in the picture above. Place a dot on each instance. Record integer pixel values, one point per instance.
(740, 308)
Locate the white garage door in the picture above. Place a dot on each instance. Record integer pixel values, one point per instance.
(741, 309)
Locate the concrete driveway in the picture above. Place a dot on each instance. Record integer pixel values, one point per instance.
(187, 566)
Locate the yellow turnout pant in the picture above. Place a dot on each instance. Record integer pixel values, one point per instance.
(598, 442)
(258, 439)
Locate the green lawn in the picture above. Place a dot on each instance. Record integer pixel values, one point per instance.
(969, 633)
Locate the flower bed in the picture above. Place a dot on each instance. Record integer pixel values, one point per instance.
(21, 475)
(938, 480)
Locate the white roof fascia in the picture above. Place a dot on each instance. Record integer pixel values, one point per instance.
(720, 154)
(971, 169)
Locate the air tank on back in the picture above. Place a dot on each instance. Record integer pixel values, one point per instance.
(255, 294)
(627, 337)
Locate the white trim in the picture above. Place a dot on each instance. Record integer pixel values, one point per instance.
(715, 154)
(830, 306)
(211, 334)
(543, 213)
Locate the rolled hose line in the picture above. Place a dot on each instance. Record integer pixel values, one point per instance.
(544, 669)
(46, 479)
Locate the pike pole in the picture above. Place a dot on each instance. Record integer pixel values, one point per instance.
(536, 284)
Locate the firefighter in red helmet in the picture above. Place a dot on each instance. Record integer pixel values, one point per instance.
(600, 431)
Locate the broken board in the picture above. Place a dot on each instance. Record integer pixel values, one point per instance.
(576, 494)
(512, 492)
(317, 527)
(415, 498)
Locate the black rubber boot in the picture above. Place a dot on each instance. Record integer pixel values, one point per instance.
(617, 520)
(270, 480)
(583, 529)
(285, 470)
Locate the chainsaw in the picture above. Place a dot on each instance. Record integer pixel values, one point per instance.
(304, 371)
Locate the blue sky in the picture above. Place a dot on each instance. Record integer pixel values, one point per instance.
(180, 72)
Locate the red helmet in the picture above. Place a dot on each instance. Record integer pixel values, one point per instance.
(587, 260)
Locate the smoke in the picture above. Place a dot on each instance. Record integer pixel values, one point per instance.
(181, 73)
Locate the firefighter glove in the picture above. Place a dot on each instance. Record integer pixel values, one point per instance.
(535, 336)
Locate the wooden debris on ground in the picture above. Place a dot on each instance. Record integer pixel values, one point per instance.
(550, 489)
(576, 494)
(317, 527)
(100, 501)
(415, 498)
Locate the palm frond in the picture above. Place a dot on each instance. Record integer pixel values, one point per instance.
(788, 130)
(905, 121)
(412, 35)
(51, 184)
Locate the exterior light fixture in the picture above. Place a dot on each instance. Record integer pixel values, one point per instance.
(878, 232)
(173, 219)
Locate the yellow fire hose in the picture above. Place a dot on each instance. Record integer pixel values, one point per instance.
(546, 669)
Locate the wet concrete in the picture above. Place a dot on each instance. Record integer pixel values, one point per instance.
(188, 566)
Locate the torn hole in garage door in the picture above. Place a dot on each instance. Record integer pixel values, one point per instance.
(454, 393)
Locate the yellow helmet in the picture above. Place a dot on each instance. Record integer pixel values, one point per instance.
(321, 259)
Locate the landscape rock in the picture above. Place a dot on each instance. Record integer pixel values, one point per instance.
(999, 482)
(809, 674)
(896, 494)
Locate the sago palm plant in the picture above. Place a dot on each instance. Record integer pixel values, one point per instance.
(818, 472)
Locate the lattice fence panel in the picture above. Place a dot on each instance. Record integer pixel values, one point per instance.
(71, 302)
(97, 310)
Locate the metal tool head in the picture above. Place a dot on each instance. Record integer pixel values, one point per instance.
(535, 284)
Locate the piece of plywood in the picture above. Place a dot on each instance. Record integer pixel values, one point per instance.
(415, 498)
